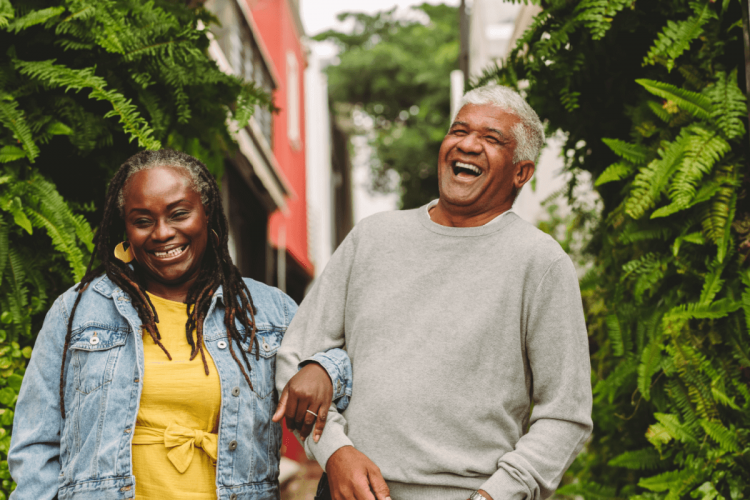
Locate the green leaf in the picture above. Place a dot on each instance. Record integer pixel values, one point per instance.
(14, 382)
(35, 17)
(57, 128)
(11, 153)
(692, 102)
(14, 120)
(7, 396)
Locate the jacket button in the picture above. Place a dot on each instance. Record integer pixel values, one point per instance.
(127, 431)
(266, 346)
(232, 445)
(233, 496)
(221, 344)
(94, 340)
(236, 391)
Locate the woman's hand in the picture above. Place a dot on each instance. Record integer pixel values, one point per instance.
(307, 394)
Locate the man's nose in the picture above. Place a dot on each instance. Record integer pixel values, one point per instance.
(470, 144)
(162, 231)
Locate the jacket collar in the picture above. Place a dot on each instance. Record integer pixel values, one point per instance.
(106, 287)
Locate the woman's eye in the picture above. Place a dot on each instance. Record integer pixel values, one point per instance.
(181, 214)
(141, 222)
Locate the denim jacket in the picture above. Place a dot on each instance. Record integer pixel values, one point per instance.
(87, 455)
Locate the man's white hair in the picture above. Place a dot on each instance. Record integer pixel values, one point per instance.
(529, 133)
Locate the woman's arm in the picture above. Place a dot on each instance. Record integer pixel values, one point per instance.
(34, 455)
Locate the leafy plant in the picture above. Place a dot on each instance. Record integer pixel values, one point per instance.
(649, 97)
(84, 84)
(394, 72)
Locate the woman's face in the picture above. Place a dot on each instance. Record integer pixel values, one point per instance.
(167, 228)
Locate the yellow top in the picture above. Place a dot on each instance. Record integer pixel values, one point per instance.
(175, 439)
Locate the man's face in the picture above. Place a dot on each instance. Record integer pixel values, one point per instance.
(475, 165)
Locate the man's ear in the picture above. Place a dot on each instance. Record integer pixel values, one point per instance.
(524, 171)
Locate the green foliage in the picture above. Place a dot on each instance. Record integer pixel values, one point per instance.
(656, 94)
(84, 84)
(395, 73)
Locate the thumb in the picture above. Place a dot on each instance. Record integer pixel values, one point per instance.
(378, 485)
(281, 408)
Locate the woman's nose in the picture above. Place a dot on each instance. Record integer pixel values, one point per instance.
(162, 231)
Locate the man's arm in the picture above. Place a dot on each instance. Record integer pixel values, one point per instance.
(558, 354)
(318, 326)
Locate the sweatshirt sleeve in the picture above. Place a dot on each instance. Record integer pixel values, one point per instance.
(558, 355)
(318, 326)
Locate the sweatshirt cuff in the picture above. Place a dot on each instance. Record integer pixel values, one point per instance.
(333, 437)
(502, 486)
(336, 363)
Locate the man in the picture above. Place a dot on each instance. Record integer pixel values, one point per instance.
(459, 319)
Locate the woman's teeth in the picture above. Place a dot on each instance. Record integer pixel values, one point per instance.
(172, 253)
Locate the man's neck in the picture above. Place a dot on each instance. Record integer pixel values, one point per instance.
(448, 215)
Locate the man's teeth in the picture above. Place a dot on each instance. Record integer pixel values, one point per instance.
(468, 166)
(171, 253)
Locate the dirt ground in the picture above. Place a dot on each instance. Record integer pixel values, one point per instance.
(304, 484)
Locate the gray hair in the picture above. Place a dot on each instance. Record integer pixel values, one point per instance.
(529, 133)
(146, 160)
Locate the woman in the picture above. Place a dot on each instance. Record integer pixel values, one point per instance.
(181, 409)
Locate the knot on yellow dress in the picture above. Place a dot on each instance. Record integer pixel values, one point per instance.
(182, 440)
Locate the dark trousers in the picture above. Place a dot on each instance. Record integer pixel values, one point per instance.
(324, 491)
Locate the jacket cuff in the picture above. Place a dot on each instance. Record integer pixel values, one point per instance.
(502, 486)
(339, 372)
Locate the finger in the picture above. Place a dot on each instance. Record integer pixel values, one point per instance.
(362, 489)
(378, 485)
(302, 414)
(308, 424)
(320, 423)
(281, 408)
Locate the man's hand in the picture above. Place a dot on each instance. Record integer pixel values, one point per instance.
(351, 475)
(310, 389)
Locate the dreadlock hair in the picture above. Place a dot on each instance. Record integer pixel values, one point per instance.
(217, 267)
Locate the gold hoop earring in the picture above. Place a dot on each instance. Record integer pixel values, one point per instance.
(124, 254)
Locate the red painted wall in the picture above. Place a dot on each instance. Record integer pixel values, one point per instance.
(278, 30)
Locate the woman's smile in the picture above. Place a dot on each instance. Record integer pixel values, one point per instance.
(170, 254)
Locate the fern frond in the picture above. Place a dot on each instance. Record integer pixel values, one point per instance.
(56, 75)
(646, 458)
(615, 172)
(728, 108)
(587, 489)
(649, 365)
(651, 180)
(615, 381)
(615, 335)
(15, 121)
(694, 103)
(3, 246)
(672, 481)
(675, 428)
(705, 148)
(724, 437)
(677, 36)
(35, 17)
(659, 111)
(6, 13)
(11, 153)
(634, 153)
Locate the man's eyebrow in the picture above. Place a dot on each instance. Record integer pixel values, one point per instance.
(498, 132)
(459, 123)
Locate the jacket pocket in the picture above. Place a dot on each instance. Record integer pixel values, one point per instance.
(263, 370)
(93, 357)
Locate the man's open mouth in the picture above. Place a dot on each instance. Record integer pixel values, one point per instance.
(460, 168)
(170, 253)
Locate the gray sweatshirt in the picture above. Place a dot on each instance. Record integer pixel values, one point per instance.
(454, 334)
